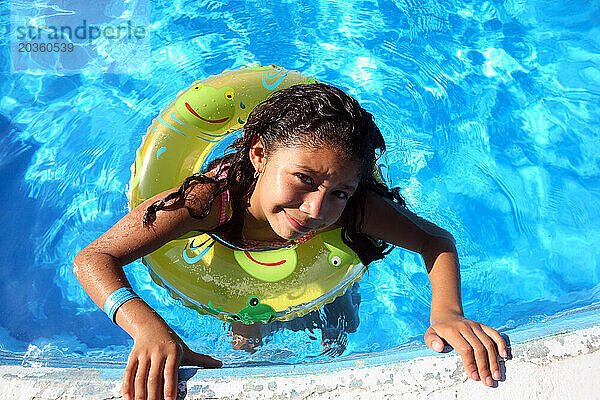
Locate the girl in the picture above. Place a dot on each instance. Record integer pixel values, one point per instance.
(303, 165)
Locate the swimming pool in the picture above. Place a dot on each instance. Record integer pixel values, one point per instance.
(489, 110)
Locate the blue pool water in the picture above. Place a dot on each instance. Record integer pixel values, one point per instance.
(489, 108)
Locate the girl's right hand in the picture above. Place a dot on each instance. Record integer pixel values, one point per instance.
(153, 367)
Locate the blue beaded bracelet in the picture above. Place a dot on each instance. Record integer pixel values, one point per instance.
(116, 300)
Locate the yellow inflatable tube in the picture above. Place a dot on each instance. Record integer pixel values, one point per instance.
(205, 274)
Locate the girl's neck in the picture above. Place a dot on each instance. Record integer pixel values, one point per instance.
(256, 226)
(257, 229)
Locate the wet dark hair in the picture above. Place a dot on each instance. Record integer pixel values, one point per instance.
(313, 115)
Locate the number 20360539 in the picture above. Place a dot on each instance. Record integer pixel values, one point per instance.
(35, 47)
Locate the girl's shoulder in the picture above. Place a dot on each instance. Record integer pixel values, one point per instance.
(130, 238)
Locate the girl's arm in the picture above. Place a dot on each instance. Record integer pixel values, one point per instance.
(99, 269)
(389, 221)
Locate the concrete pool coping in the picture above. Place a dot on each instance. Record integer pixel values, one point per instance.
(554, 358)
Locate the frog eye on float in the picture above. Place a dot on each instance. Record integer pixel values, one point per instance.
(253, 301)
(336, 261)
(229, 95)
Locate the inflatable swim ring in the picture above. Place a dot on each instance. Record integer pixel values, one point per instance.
(199, 270)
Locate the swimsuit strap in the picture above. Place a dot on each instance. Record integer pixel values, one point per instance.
(249, 244)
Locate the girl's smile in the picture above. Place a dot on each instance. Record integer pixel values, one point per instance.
(297, 225)
(300, 189)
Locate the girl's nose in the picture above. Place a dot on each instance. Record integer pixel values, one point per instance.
(314, 204)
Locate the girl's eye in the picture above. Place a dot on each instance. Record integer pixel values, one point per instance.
(309, 181)
(305, 179)
(342, 195)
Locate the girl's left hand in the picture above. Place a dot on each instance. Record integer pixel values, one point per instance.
(476, 343)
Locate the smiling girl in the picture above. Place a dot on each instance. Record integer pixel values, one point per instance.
(303, 166)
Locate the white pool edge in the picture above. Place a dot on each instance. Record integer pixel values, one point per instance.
(561, 362)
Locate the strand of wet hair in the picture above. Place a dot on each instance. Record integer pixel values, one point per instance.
(150, 214)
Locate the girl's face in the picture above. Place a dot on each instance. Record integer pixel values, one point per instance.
(298, 190)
